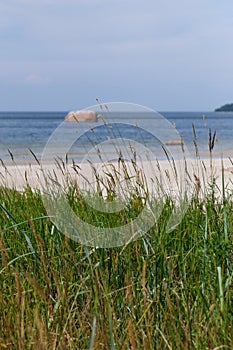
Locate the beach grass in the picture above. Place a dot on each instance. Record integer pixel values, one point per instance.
(166, 290)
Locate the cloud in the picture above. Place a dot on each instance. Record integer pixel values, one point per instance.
(61, 43)
(35, 79)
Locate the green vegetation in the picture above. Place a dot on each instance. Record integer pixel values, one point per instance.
(164, 291)
(225, 108)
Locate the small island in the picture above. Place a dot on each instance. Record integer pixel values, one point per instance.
(226, 108)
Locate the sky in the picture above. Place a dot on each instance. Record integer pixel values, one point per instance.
(168, 55)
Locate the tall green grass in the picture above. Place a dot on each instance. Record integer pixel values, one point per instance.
(164, 291)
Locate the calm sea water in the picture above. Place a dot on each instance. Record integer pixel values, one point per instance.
(21, 131)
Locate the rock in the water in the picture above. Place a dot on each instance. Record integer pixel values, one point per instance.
(81, 116)
(175, 142)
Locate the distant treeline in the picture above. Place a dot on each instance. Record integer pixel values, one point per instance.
(226, 108)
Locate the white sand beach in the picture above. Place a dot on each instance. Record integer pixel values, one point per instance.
(200, 174)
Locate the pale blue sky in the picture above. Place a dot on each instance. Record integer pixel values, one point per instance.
(165, 54)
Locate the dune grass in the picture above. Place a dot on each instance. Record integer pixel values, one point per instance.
(164, 291)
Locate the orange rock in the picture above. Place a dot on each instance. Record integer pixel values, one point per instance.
(175, 142)
(81, 116)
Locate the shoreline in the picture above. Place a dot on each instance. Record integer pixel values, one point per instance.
(20, 175)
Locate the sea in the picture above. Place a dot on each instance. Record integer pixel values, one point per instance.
(24, 136)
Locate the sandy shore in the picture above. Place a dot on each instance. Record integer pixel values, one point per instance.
(198, 174)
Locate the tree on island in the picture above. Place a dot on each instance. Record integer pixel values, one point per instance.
(226, 108)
